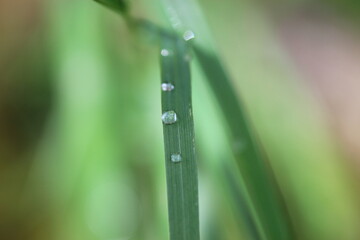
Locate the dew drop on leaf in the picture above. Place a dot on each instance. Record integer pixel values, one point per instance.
(175, 158)
(169, 117)
(188, 35)
(165, 52)
(167, 87)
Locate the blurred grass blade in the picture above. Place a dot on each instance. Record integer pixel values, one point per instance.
(240, 201)
(181, 176)
(259, 183)
(116, 5)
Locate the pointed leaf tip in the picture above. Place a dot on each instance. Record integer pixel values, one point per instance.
(116, 5)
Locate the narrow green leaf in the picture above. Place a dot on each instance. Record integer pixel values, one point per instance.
(117, 5)
(270, 215)
(181, 170)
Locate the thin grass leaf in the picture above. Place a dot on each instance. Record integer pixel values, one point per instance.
(241, 205)
(181, 169)
(116, 5)
(272, 220)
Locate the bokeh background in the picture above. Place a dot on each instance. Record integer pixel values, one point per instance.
(81, 152)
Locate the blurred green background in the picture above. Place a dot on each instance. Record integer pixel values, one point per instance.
(81, 148)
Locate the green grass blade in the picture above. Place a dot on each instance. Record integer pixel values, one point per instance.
(240, 202)
(116, 5)
(182, 183)
(271, 218)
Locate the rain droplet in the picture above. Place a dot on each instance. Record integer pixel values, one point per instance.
(169, 117)
(164, 52)
(188, 35)
(167, 87)
(176, 158)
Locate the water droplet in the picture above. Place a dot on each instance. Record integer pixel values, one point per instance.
(167, 87)
(176, 158)
(169, 117)
(165, 52)
(188, 35)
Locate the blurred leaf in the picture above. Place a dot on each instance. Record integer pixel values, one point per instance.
(117, 5)
(269, 215)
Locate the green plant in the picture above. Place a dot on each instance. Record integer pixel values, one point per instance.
(259, 192)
